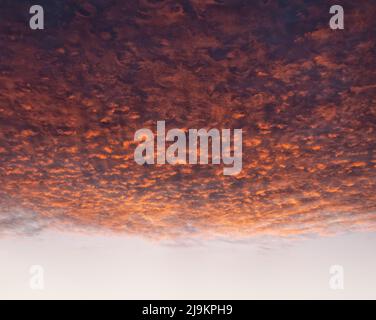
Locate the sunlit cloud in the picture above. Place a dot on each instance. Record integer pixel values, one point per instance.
(72, 97)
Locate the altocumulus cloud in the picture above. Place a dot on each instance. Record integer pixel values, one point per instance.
(304, 99)
(20, 222)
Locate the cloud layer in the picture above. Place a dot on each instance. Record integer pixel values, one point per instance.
(73, 95)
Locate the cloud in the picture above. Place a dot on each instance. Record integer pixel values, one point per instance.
(301, 93)
(20, 222)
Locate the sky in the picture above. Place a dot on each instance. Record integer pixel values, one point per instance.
(73, 95)
(113, 267)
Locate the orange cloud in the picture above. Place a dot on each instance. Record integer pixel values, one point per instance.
(72, 97)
